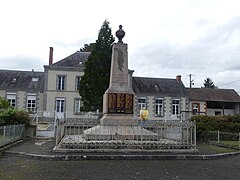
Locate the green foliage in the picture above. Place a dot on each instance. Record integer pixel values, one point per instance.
(208, 83)
(11, 116)
(214, 149)
(231, 143)
(4, 104)
(96, 76)
(87, 47)
(215, 123)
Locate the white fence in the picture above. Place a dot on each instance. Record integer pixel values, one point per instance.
(46, 121)
(11, 133)
(153, 135)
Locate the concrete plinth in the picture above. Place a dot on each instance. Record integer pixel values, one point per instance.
(102, 132)
(118, 119)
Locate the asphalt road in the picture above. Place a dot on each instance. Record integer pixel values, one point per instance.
(21, 168)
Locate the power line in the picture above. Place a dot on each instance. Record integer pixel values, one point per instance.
(229, 83)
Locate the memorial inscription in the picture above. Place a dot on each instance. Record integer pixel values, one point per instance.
(120, 103)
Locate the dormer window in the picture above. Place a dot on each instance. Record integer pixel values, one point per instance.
(34, 79)
(14, 80)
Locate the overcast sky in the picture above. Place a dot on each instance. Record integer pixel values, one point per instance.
(165, 37)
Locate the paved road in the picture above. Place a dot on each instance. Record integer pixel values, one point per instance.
(21, 168)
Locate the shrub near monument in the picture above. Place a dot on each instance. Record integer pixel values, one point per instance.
(9, 115)
(217, 123)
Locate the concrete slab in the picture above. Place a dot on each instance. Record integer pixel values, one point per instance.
(102, 132)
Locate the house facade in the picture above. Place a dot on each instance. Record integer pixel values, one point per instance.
(23, 89)
(54, 93)
(212, 102)
(165, 99)
(62, 81)
(50, 94)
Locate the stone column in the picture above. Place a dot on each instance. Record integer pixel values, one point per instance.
(118, 100)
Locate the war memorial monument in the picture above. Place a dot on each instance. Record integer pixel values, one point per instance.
(118, 119)
(119, 128)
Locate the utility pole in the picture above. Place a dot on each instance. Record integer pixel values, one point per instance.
(190, 80)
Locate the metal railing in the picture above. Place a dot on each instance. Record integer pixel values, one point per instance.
(152, 135)
(227, 139)
(11, 133)
(46, 121)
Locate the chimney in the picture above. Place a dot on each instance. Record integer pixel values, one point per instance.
(51, 55)
(178, 78)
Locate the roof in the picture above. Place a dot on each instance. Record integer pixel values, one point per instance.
(211, 94)
(29, 81)
(160, 86)
(76, 59)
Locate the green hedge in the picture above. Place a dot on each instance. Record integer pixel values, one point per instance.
(214, 123)
(11, 116)
(213, 136)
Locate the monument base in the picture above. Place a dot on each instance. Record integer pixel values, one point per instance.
(102, 132)
(118, 119)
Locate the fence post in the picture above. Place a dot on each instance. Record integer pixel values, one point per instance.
(239, 140)
(195, 134)
(23, 131)
(218, 136)
(57, 132)
(37, 123)
(14, 129)
(4, 133)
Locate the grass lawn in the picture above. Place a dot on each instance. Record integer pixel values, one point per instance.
(211, 149)
(231, 143)
(4, 140)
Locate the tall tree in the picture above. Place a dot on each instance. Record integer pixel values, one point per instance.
(87, 47)
(96, 76)
(208, 83)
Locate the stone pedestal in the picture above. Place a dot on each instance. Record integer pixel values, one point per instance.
(118, 101)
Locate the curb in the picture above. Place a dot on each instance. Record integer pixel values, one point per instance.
(4, 147)
(123, 157)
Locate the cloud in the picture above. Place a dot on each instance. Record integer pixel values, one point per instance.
(213, 54)
(22, 62)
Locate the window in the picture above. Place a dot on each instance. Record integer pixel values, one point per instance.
(195, 108)
(61, 83)
(77, 103)
(175, 106)
(11, 97)
(60, 105)
(141, 103)
(159, 107)
(218, 113)
(31, 103)
(78, 79)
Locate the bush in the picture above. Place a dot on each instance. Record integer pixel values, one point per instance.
(214, 123)
(11, 116)
(4, 104)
